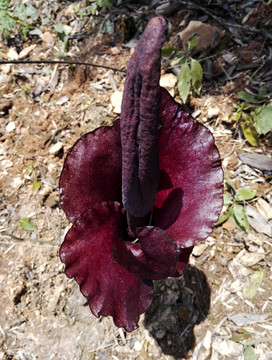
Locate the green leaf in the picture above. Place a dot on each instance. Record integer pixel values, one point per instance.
(257, 341)
(231, 186)
(59, 28)
(184, 82)
(36, 187)
(6, 23)
(250, 132)
(4, 4)
(21, 11)
(223, 218)
(167, 51)
(227, 199)
(197, 76)
(251, 286)
(30, 10)
(26, 224)
(192, 42)
(178, 61)
(239, 217)
(240, 335)
(244, 194)
(263, 119)
(249, 353)
(242, 95)
(262, 95)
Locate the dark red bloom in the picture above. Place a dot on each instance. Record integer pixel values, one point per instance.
(138, 206)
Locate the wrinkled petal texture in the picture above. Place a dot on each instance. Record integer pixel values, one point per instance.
(154, 257)
(189, 199)
(139, 121)
(92, 171)
(87, 254)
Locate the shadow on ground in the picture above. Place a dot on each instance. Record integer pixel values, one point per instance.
(178, 305)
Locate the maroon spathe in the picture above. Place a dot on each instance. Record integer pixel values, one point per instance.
(97, 187)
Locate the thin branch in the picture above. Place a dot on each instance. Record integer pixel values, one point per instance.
(22, 240)
(65, 62)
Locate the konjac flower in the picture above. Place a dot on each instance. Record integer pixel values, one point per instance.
(140, 194)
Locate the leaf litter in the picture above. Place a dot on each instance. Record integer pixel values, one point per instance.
(223, 302)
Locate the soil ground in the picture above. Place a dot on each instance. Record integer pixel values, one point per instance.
(204, 314)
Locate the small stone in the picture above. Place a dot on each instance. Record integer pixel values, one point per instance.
(69, 11)
(10, 126)
(116, 101)
(35, 32)
(115, 50)
(52, 200)
(168, 81)
(213, 112)
(6, 163)
(12, 54)
(236, 286)
(47, 38)
(199, 249)
(6, 68)
(45, 191)
(227, 348)
(17, 181)
(207, 340)
(137, 346)
(26, 51)
(55, 149)
(62, 100)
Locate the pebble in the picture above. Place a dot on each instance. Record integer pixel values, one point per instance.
(62, 100)
(213, 112)
(47, 38)
(168, 81)
(12, 54)
(137, 346)
(54, 149)
(10, 126)
(116, 100)
(227, 347)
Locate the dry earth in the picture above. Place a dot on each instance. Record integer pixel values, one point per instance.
(203, 315)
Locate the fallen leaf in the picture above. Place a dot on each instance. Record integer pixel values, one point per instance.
(258, 223)
(26, 51)
(249, 353)
(258, 161)
(26, 224)
(264, 209)
(242, 319)
(251, 286)
(249, 259)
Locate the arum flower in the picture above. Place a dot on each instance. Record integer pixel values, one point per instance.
(140, 194)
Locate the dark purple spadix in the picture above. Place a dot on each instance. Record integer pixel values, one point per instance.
(139, 121)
